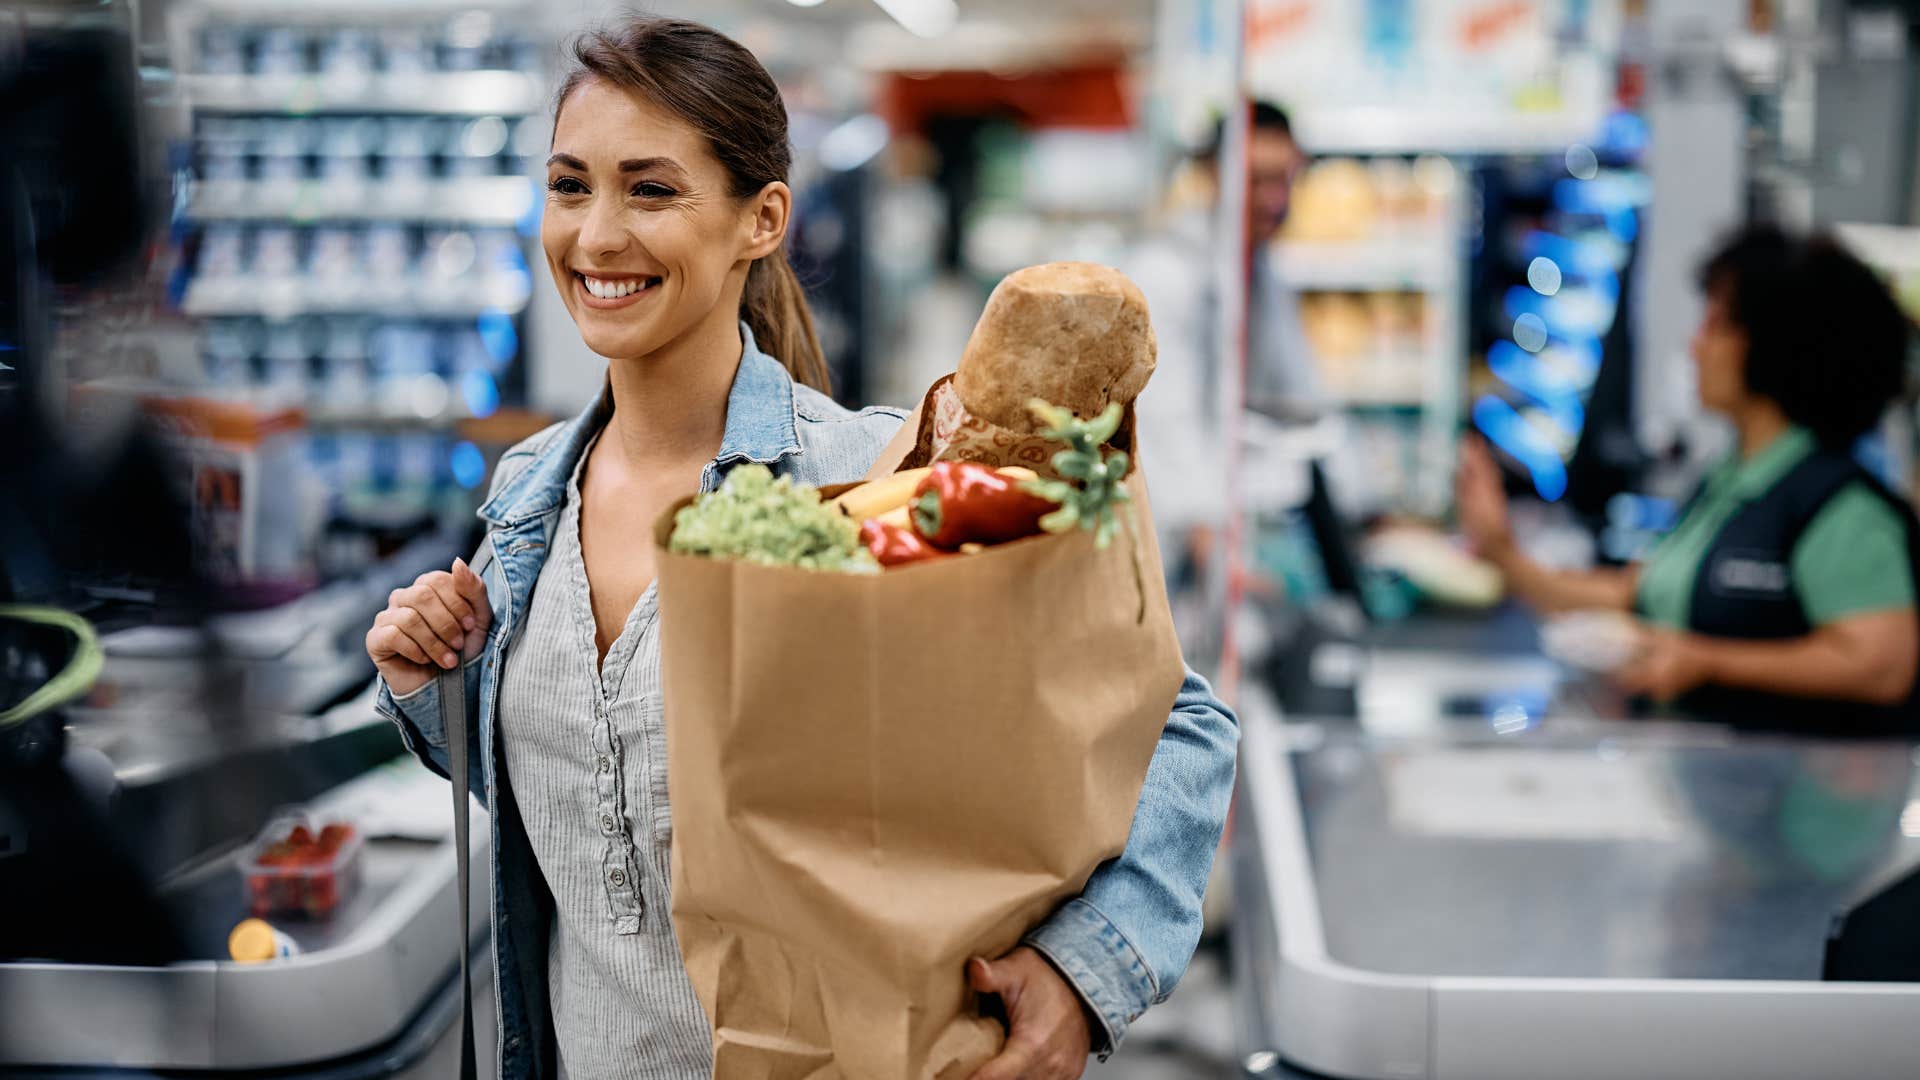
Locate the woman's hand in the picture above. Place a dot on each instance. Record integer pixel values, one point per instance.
(1670, 664)
(1049, 1037)
(430, 626)
(1482, 501)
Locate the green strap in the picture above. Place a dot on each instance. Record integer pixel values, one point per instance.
(74, 680)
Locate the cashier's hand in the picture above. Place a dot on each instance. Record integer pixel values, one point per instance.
(430, 627)
(1669, 664)
(1481, 499)
(1048, 1038)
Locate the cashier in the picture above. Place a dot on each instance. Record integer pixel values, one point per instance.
(1785, 595)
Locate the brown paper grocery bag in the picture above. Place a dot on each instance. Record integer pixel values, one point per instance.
(874, 778)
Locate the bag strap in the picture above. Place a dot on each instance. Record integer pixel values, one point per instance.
(453, 718)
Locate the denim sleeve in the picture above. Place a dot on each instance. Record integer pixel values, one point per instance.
(1126, 939)
(417, 715)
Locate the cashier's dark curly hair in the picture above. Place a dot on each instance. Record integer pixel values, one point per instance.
(713, 83)
(1825, 339)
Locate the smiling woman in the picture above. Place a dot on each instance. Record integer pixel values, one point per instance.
(703, 152)
(666, 218)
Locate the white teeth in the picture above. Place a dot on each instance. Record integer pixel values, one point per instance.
(614, 290)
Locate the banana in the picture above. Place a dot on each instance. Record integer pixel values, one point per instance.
(875, 497)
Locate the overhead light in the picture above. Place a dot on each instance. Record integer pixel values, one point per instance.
(853, 143)
(926, 18)
(806, 3)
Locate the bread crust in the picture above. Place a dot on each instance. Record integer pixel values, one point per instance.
(1071, 333)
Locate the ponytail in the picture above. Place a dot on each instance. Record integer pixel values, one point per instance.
(775, 309)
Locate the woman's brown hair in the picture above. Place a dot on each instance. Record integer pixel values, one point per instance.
(719, 88)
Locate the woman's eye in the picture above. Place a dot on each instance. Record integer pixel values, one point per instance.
(566, 185)
(652, 190)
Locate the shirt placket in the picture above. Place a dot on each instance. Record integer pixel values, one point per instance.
(619, 870)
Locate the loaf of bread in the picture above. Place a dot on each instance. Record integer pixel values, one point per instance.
(1070, 333)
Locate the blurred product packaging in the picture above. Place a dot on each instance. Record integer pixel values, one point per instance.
(246, 479)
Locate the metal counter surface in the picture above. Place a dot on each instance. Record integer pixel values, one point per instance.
(1617, 857)
(1581, 899)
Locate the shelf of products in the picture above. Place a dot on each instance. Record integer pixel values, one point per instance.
(436, 93)
(1401, 129)
(501, 201)
(1424, 264)
(355, 237)
(275, 270)
(1374, 248)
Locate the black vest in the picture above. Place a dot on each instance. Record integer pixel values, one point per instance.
(1745, 589)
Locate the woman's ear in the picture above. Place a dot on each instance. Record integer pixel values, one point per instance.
(768, 214)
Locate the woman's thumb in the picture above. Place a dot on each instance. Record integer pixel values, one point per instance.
(470, 586)
(982, 977)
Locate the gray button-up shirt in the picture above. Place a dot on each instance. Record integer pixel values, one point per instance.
(586, 748)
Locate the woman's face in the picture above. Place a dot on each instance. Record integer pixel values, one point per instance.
(642, 232)
(1719, 350)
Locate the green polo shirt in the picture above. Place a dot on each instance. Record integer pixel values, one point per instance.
(1851, 560)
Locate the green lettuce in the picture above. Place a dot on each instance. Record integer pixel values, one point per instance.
(757, 518)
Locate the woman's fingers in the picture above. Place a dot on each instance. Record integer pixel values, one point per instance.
(423, 598)
(459, 608)
(409, 621)
(385, 642)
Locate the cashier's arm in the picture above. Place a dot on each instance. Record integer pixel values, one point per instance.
(1871, 658)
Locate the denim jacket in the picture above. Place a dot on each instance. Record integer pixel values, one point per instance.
(1123, 942)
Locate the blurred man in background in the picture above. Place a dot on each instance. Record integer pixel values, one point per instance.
(1186, 451)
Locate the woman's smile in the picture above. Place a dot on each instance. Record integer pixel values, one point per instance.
(606, 291)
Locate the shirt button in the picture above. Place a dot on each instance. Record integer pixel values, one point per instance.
(607, 824)
(606, 763)
(617, 877)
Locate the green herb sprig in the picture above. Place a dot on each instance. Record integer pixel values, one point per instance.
(1091, 494)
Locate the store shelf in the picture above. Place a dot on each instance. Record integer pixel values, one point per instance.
(455, 93)
(1379, 383)
(1368, 266)
(479, 200)
(376, 419)
(1380, 401)
(288, 299)
(336, 12)
(1414, 130)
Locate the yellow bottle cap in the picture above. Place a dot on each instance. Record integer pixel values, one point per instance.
(252, 942)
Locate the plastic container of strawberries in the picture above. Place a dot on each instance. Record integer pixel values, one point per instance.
(302, 868)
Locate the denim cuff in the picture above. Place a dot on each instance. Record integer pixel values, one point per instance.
(417, 715)
(1101, 964)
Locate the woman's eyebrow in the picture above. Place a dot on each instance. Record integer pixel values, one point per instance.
(633, 165)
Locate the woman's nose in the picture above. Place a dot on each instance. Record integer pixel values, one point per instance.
(603, 232)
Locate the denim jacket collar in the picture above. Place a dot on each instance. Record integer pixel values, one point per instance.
(761, 427)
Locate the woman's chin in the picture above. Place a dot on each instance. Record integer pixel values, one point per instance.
(618, 346)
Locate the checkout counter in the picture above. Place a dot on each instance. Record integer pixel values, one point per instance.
(372, 990)
(1481, 877)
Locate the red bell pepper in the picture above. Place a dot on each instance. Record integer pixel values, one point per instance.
(892, 545)
(962, 502)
